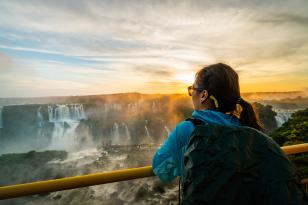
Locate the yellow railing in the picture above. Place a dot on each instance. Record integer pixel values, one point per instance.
(19, 190)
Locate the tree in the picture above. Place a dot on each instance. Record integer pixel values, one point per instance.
(295, 131)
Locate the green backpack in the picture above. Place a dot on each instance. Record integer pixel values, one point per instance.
(237, 165)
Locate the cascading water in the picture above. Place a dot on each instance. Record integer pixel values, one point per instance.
(148, 138)
(40, 130)
(117, 107)
(127, 133)
(167, 130)
(116, 134)
(40, 118)
(147, 133)
(283, 116)
(132, 107)
(1, 125)
(120, 134)
(77, 113)
(66, 119)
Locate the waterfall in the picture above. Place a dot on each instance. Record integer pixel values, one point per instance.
(117, 107)
(116, 134)
(283, 116)
(66, 119)
(167, 130)
(132, 107)
(127, 133)
(40, 130)
(40, 118)
(147, 133)
(120, 134)
(63, 113)
(63, 135)
(77, 112)
(1, 125)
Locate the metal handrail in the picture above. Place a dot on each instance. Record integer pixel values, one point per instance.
(295, 149)
(40, 187)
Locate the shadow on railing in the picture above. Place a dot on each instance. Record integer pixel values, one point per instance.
(40, 187)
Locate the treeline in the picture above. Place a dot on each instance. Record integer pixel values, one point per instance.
(295, 131)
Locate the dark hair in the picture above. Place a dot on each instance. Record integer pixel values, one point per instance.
(221, 81)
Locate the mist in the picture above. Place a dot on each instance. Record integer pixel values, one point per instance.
(55, 137)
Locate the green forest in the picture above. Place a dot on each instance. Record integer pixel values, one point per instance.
(295, 131)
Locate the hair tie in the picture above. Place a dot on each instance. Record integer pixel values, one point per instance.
(215, 101)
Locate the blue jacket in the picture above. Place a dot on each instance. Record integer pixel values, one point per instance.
(168, 161)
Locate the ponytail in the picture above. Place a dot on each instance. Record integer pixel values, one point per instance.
(248, 115)
(221, 81)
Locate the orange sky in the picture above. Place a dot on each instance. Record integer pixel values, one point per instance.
(86, 47)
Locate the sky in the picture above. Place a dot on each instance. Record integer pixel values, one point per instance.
(58, 48)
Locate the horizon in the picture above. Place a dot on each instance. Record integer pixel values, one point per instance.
(65, 48)
(296, 94)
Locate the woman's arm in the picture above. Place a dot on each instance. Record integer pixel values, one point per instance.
(167, 160)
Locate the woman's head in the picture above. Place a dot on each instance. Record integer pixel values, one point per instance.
(217, 86)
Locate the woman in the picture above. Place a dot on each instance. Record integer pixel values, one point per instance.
(215, 95)
(226, 161)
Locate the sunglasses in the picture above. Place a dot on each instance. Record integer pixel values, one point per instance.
(192, 88)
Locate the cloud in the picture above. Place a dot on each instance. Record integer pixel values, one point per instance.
(154, 71)
(161, 39)
(283, 18)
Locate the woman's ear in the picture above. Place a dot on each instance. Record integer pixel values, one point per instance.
(204, 96)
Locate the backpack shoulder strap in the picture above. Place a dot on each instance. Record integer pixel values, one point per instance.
(195, 121)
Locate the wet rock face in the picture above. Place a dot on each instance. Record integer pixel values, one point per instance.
(266, 115)
(114, 120)
(20, 124)
(19, 116)
(76, 126)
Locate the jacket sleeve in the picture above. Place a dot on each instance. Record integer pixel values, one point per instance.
(167, 159)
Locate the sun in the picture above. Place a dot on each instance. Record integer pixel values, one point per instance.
(185, 78)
